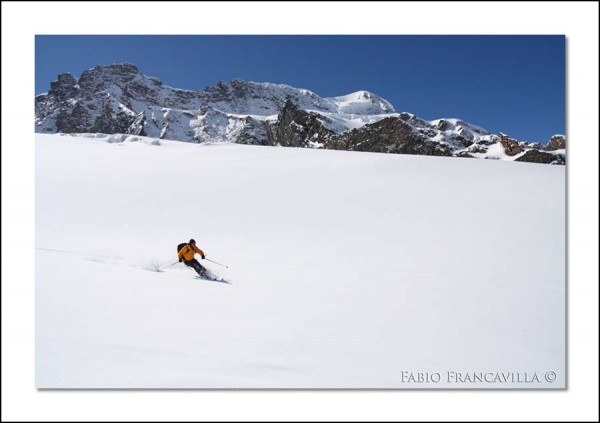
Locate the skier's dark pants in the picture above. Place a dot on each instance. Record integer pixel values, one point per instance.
(193, 263)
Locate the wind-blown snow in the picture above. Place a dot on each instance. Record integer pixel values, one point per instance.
(346, 269)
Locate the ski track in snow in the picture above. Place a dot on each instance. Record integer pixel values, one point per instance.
(347, 269)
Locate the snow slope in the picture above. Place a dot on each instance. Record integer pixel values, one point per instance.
(347, 270)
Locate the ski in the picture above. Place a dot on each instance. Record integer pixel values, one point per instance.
(205, 278)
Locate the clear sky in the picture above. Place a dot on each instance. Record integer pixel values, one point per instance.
(510, 84)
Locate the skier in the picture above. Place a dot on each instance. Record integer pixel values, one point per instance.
(186, 255)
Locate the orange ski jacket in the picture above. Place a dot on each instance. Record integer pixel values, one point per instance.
(187, 252)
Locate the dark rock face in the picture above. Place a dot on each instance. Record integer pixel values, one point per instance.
(443, 125)
(536, 156)
(464, 154)
(253, 132)
(75, 119)
(557, 142)
(478, 148)
(223, 92)
(297, 128)
(103, 77)
(64, 86)
(511, 145)
(110, 123)
(390, 135)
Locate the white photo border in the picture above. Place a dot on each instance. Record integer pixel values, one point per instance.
(21, 21)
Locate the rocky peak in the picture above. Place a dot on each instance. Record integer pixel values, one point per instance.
(64, 86)
(102, 77)
(63, 80)
(222, 92)
(117, 68)
(511, 146)
(240, 89)
(557, 142)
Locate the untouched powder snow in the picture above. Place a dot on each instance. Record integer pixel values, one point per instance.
(346, 270)
(362, 102)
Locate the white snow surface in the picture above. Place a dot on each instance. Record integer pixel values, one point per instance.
(346, 270)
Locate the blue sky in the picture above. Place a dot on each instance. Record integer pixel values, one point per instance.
(510, 84)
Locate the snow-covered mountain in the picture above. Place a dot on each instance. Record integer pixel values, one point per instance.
(120, 99)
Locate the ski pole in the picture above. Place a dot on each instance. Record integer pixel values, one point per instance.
(216, 263)
(172, 264)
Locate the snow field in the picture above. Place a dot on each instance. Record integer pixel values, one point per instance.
(347, 269)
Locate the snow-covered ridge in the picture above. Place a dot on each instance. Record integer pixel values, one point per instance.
(179, 114)
(118, 98)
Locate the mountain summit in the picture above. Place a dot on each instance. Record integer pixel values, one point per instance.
(118, 98)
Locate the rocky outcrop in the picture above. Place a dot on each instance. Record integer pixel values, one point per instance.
(390, 135)
(557, 142)
(536, 156)
(295, 127)
(511, 146)
(64, 87)
(102, 78)
(253, 132)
